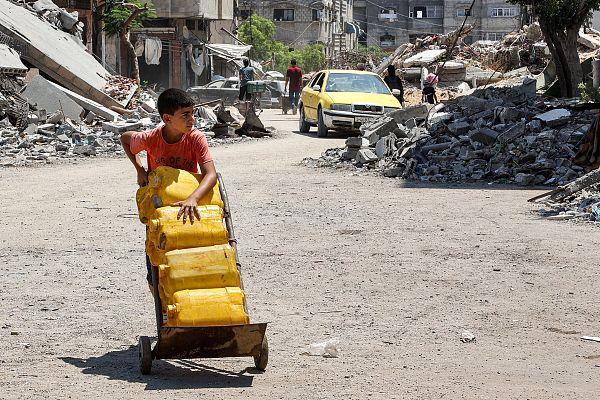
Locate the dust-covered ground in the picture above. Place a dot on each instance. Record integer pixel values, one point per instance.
(395, 270)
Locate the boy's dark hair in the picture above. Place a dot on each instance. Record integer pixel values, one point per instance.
(172, 100)
(246, 62)
(293, 62)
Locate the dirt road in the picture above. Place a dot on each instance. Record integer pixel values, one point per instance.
(396, 271)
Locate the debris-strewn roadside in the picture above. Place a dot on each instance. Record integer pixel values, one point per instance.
(498, 134)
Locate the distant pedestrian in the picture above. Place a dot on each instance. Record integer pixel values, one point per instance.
(394, 82)
(429, 95)
(294, 78)
(246, 75)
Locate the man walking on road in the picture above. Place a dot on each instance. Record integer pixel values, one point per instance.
(294, 78)
(246, 75)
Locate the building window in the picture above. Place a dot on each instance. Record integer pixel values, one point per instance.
(387, 40)
(316, 15)
(493, 36)
(420, 12)
(196, 24)
(504, 12)
(463, 12)
(283, 14)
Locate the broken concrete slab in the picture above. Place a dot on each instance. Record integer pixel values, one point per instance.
(553, 115)
(60, 55)
(404, 114)
(90, 105)
(588, 41)
(121, 127)
(10, 62)
(42, 94)
(424, 58)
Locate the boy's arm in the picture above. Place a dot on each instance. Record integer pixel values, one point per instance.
(142, 174)
(188, 206)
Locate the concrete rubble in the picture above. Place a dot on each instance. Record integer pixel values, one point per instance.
(497, 134)
(70, 107)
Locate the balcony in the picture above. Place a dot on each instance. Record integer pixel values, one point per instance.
(388, 17)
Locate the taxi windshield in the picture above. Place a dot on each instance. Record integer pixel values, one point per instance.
(350, 82)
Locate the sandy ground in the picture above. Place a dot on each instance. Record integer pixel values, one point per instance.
(395, 270)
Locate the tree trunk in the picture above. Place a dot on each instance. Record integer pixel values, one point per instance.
(563, 47)
(131, 57)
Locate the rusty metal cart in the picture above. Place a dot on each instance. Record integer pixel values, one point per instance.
(248, 340)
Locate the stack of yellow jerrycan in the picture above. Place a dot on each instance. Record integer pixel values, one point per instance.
(199, 281)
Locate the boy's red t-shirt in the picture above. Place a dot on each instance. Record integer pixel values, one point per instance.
(186, 154)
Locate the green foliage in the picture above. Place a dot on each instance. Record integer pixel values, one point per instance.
(560, 14)
(310, 58)
(589, 92)
(375, 52)
(259, 32)
(115, 15)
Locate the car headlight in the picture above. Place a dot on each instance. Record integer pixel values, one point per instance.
(388, 110)
(341, 107)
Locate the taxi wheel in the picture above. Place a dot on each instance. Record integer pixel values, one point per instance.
(304, 127)
(321, 128)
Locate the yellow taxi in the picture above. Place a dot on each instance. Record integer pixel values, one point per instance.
(343, 100)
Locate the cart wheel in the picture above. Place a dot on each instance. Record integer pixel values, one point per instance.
(145, 355)
(261, 360)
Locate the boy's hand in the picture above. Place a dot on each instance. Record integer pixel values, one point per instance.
(142, 177)
(188, 210)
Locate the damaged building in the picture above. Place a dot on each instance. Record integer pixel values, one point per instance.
(388, 24)
(301, 23)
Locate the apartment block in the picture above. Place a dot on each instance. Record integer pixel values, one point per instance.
(389, 23)
(304, 22)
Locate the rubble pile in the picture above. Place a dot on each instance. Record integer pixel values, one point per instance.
(498, 134)
(584, 205)
(523, 48)
(58, 17)
(49, 137)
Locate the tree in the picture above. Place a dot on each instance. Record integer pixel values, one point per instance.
(119, 18)
(258, 32)
(560, 21)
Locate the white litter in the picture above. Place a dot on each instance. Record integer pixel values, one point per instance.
(327, 349)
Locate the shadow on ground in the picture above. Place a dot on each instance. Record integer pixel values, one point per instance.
(174, 374)
(330, 135)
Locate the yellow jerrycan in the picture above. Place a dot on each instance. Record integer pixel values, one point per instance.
(207, 307)
(198, 268)
(168, 185)
(168, 233)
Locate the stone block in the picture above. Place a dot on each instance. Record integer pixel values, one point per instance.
(366, 156)
(86, 150)
(404, 114)
(484, 135)
(524, 179)
(459, 128)
(357, 142)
